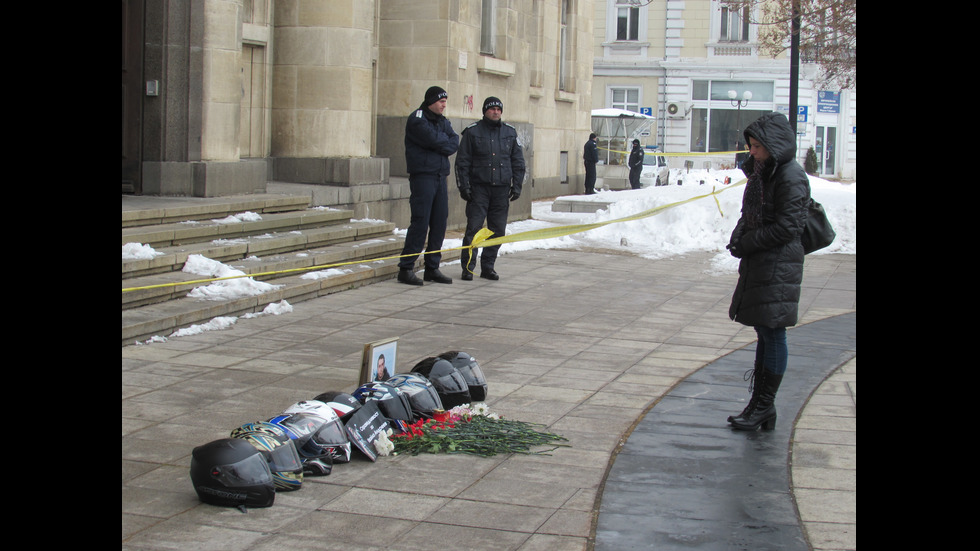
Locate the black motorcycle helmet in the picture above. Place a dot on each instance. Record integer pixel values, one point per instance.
(232, 472)
(449, 382)
(394, 405)
(421, 393)
(471, 372)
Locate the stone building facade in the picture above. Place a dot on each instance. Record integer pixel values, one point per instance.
(222, 97)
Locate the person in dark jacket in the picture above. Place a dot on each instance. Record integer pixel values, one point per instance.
(770, 273)
(635, 163)
(591, 156)
(489, 174)
(429, 141)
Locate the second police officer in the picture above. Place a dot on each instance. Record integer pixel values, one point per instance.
(489, 174)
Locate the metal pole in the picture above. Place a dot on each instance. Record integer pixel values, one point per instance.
(794, 67)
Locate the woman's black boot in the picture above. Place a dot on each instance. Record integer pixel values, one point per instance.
(764, 414)
(754, 377)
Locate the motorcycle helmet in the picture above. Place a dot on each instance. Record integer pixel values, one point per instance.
(470, 369)
(262, 427)
(421, 394)
(448, 381)
(332, 435)
(232, 472)
(344, 404)
(283, 459)
(393, 404)
(315, 437)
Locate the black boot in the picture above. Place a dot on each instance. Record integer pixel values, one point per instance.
(407, 275)
(764, 413)
(433, 274)
(754, 376)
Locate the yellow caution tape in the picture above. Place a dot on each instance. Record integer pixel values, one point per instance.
(657, 152)
(481, 239)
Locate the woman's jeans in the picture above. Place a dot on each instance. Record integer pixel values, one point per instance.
(771, 350)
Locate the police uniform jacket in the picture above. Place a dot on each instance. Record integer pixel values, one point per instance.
(429, 141)
(489, 153)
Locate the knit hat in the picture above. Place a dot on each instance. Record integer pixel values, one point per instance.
(492, 102)
(434, 94)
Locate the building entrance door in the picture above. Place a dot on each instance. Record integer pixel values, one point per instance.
(827, 149)
(132, 94)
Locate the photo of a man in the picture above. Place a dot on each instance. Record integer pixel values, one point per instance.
(381, 372)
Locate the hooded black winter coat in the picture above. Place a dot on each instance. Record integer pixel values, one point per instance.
(770, 272)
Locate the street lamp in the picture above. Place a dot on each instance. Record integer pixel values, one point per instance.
(733, 96)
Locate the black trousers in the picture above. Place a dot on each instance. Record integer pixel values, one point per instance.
(589, 178)
(490, 204)
(635, 177)
(429, 202)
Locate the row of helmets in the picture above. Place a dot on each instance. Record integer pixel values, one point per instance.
(309, 437)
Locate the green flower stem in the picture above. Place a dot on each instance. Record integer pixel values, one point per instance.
(480, 435)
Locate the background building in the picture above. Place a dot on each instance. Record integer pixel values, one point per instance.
(679, 59)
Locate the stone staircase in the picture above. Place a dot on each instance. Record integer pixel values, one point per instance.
(276, 237)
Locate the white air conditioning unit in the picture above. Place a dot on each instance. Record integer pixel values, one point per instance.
(677, 109)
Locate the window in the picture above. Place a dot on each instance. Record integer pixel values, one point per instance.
(627, 22)
(488, 28)
(625, 98)
(717, 124)
(734, 25)
(563, 64)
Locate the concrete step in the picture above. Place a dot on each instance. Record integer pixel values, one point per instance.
(162, 319)
(197, 231)
(282, 248)
(234, 247)
(364, 241)
(141, 210)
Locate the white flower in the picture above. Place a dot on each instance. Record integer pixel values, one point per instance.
(383, 445)
(480, 408)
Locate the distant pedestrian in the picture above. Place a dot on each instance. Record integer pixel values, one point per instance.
(591, 156)
(636, 164)
(429, 141)
(489, 174)
(766, 239)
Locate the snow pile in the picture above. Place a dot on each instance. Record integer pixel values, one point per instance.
(226, 289)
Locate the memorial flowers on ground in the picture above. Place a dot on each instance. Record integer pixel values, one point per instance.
(474, 429)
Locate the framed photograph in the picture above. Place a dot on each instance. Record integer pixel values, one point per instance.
(378, 361)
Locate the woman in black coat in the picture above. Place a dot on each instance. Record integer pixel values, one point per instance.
(767, 240)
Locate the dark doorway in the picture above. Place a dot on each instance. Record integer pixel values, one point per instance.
(132, 93)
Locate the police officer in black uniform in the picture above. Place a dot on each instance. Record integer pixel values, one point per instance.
(590, 154)
(489, 174)
(429, 141)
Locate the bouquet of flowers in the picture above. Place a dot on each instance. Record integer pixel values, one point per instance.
(473, 430)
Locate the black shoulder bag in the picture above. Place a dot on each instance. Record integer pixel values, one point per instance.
(818, 232)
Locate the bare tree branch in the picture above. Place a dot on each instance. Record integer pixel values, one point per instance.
(828, 34)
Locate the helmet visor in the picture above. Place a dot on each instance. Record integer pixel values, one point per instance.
(250, 471)
(453, 382)
(330, 434)
(472, 373)
(285, 458)
(426, 401)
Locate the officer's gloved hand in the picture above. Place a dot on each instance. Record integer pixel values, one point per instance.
(514, 194)
(464, 192)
